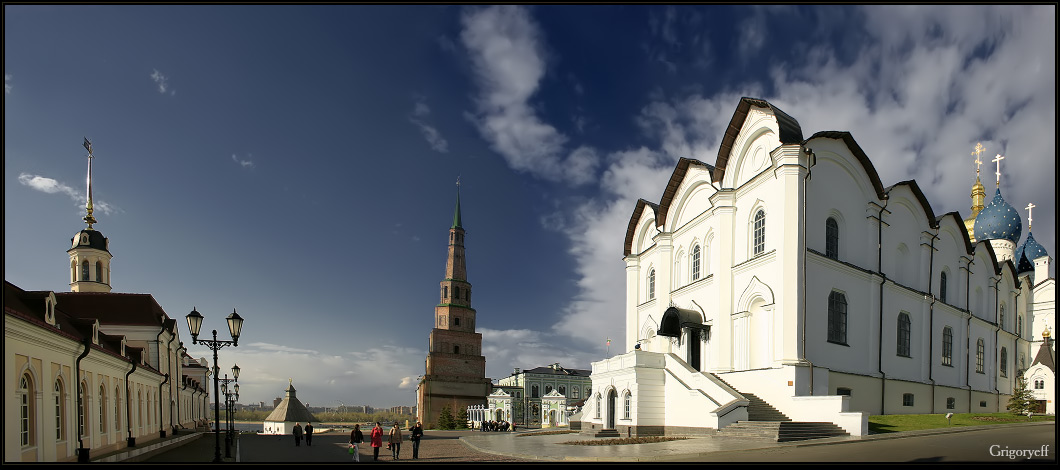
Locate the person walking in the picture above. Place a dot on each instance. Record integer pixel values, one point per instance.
(395, 440)
(356, 438)
(377, 440)
(308, 434)
(297, 434)
(417, 434)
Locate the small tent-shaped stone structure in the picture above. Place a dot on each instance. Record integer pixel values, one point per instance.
(289, 412)
(1041, 378)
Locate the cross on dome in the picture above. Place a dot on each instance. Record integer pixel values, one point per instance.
(978, 149)
(1029, 219)
(997, 160)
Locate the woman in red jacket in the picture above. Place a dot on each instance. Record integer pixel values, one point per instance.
(377, 440)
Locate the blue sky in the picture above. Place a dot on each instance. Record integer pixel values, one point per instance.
(298, 163)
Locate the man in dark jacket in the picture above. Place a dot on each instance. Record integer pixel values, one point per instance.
(308, 434)
(417, 433)
(297, 434)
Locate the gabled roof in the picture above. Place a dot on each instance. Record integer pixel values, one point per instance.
(641, 204)
(790, 131)
(676, 179)
(915, 188)
(1045, 356)
(851, 144)
(960, 225)
(560, 371)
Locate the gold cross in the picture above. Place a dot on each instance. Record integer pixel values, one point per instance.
(1030, 220)
(998, 159)
(978, 149)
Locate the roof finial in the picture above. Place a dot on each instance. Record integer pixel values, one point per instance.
(978, 149)
(88, 218)
(997, 160)
(456, 214)
(1030, 221)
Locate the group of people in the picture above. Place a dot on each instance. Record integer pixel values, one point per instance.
(502, 425)
(298, 434)
(393, 442)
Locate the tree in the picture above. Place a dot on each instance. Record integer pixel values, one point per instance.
(1022, 400)
(461, 419)
(445, 419)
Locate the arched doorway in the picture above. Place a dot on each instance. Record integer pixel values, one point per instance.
(611, 396)
(551, 417)
(500, 415)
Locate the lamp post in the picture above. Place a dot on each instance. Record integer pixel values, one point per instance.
(228, 406)
(235, 324)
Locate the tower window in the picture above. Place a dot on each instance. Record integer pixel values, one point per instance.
(456, 321)
(99, 271)
(84, 270)
(759, 241)
(456, 349)
(445, 292)
(456, 292)
(831, 238)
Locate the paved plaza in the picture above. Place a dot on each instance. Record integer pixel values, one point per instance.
(968, 444)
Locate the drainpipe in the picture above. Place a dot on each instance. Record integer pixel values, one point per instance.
(172, 369)
(128, 405)
(183, 388)
(997, 347)
(883, 280)
(161, 428)
(82, 452)
(968, 331)
(931, 319)
(811, 160)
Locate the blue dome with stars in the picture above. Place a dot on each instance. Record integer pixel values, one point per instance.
(1031, 248)
(998, 220)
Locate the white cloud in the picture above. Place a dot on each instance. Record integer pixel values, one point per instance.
(419, 115)
(243, 163)
(52, 186)
(408, 382)
(508, 63)
(163, 82)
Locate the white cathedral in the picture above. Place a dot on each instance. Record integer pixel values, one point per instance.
(787, 283)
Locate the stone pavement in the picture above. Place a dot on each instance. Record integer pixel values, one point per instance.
(469, 446)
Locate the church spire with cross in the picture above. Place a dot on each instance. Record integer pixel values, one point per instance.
(999, 223)
(89, 249)
(978, 194)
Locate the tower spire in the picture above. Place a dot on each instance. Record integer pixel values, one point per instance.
(456, 214)
(88, 205)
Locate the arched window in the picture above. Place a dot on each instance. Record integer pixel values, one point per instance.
(81, 409)
(456, 292)
(99, 271)
(904, 327)
(837, 318)
(1004, 362)
(947, 346)
(980, 351)
(942, 287)
(445, 292)
(59, 410)
(117, 409)
(1001, 318)
(534, 392)
(1019, 326)
(140, 408)
(563, 390)
(626, 403)
(548, 389)
(651, 284)
(102, 410)
(456, 321)
(1039, 384)
(759, 241)
(456, 349)
(831, 238)
(695, 263)
(26, 411)
(574, 393)
(84, 270)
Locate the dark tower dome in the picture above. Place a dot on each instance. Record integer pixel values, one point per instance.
(89, 238)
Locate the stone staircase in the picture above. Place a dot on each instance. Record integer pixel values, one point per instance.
(767, 423)
(607, 433)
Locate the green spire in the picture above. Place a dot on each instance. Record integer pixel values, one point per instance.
(456, 215)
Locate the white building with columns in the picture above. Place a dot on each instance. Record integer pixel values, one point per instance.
(786, 282)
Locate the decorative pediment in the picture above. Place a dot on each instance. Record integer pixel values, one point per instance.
(756, 289)
(499, 393)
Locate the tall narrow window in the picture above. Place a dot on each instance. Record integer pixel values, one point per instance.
(1019, 326)
(84, 270)
(81, 410)
(117, 410)
(534, 391)
(562, 390)
(548, 389)
(947, 346)
(1001, 318)
(831, 238)
(1004, 362)
(99, 271)
(456, 292)
(58, 410)
(651, 284)
(626, 401)
(25, 406)
(102, 410)
(760, 233)
(980, 351)
(904, 327)
(837, 318)
(695, 263)
(942, 287)
(445, 292)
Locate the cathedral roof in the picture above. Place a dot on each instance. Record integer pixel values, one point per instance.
(95, 239)
(676, 179)
(113, 308)
(790, 131)
(641, 205)
(998, 220)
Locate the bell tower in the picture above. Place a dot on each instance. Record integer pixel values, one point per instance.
(89, 251)
(455, 368)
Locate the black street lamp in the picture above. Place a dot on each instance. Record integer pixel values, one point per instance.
(235, 324)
